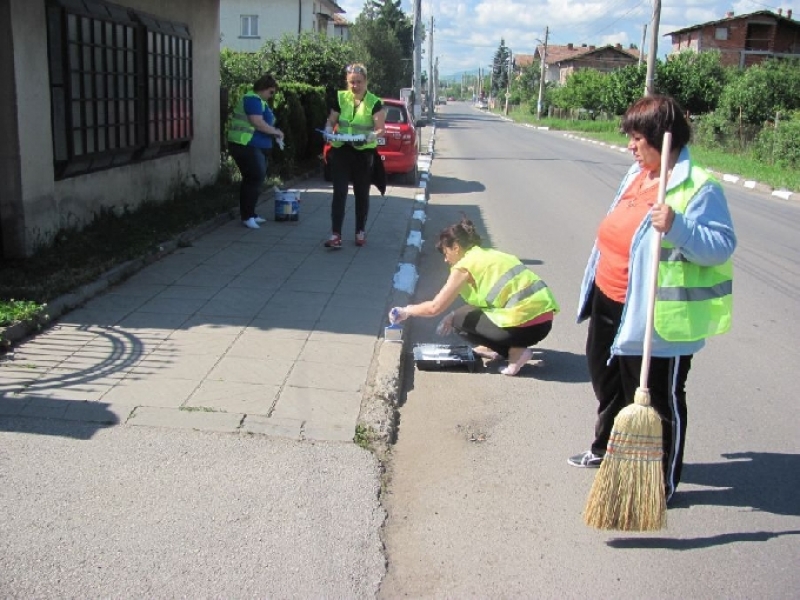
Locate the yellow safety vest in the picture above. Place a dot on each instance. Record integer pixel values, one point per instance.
(509, 293)
(693, 301)
(240, 131)
(354, 120)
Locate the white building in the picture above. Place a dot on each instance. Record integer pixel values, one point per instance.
(246, 24)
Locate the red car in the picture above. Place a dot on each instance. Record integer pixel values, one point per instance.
(397, 147)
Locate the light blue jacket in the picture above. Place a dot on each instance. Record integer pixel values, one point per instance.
(704, 234)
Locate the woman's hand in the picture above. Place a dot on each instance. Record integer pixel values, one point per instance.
(398, 314)
(662, 216)
(278, 134)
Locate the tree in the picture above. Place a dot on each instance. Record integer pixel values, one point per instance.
(584, 89)
(307, 58)
(694, 79)
(760, 91)
(382, 38)
(500, 68)
(623, 87)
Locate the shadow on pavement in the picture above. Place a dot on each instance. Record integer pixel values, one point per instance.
(661, 543)
(65, 418)
(761, 481)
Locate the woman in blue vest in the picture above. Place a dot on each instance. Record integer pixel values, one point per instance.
(250, 134)
(355, 112)
(508, 307)
(693, 299)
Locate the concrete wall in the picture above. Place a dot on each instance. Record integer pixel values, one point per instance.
(45, 205)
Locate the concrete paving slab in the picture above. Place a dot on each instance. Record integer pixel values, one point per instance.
(235, 397)
(319, 408)
(273, 371)
(186, 419)
(327, 376)
(264, 345)
(189, 292)
(272, 426)
(170, 393)
(336, 353)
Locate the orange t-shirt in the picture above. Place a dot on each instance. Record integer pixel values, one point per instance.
(615, 234)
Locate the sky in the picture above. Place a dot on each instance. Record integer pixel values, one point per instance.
(467, 33)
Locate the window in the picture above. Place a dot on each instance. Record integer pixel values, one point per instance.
(120, 86)
(249, 26)
(721, 34)
(759, 36)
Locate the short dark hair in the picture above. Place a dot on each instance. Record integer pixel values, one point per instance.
(265, 82)
(652, 116)
(462, 232)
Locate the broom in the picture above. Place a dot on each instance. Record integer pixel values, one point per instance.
(628, 490)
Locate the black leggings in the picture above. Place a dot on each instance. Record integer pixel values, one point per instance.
(252, 163)
(615, 379)
(475, 327)
(350, 165)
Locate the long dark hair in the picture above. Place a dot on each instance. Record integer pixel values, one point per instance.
(462, 232)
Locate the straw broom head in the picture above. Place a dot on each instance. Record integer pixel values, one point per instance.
(628, 491)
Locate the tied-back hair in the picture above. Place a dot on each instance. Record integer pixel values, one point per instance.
(265, 82)
(652, 116)
(462, 232)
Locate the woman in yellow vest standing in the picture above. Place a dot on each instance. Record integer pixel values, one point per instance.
(693, 299)
(508, 307)
(250, 134)
(356, 112)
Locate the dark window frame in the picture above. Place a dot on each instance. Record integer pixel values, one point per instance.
(120, 86)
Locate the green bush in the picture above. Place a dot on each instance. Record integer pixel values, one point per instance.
(779, 144)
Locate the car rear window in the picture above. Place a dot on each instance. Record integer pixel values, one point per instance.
(394, 114)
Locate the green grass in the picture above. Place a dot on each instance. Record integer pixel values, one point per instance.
(742, 165)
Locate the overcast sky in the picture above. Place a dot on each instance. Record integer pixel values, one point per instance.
(467, 33)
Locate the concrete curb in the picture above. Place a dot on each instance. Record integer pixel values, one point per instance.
(725, 177)
(381, 399)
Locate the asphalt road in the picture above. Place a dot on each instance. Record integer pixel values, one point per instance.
(481, 501)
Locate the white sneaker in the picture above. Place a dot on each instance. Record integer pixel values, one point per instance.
(259, 220)
(251, 223)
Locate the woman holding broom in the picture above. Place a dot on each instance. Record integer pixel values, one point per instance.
(693, 294)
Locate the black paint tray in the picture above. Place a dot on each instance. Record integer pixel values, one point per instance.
(434, 357)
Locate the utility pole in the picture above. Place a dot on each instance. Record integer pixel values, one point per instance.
(641, 47)
(430, 72)
(651, 57)
(543, 59)
(508, 79)
(417, 35)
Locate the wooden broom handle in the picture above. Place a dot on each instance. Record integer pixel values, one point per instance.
(651, 298)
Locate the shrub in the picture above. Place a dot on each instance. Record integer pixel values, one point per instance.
(779, 144)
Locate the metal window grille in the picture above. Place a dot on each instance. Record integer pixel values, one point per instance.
(121, 86)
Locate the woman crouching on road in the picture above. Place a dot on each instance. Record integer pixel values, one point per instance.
(509, 308)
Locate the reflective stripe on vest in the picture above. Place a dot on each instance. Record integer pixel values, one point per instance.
(509, 292)
(240, 131)
(355, 120)
(692, 301)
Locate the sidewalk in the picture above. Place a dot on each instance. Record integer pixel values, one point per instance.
(252, 331)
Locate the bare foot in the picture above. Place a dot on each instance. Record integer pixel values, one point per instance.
(485, 352)
(516, 360)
